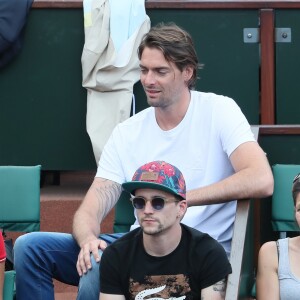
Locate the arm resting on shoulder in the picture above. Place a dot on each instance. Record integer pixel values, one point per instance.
(253, 178)
(267, 284)
(215, 291)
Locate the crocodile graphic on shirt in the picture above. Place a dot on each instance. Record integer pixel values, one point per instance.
(141, 295)
(160, 287)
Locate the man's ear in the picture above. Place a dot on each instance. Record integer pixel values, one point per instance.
(188, 73)
(183, 207)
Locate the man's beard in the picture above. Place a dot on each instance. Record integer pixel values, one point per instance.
(152, 231)
(161, 103)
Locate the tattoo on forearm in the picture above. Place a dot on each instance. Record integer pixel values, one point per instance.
(220, 287)
(107, 195)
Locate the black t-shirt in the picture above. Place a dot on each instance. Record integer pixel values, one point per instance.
(198, 262)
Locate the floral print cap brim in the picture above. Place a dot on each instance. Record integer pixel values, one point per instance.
(158, 175)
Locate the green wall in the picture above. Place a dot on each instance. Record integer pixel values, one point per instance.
(43, 105)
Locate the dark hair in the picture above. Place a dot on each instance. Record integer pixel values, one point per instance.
(296, 187)
(176, 45)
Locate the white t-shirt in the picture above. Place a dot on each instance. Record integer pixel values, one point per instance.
(199, 146)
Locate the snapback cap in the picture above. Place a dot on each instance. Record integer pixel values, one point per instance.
(158, 175)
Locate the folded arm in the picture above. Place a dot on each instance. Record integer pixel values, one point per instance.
(252, 179)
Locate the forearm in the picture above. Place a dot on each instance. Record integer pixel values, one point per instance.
(252, 179)
(215, 291)
(99, 200)
(111, 297)
(242, 185)
(85, 227)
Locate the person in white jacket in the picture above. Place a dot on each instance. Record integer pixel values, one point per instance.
(110, 66)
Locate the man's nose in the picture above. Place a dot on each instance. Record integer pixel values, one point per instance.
(149, 78)
(148, 207)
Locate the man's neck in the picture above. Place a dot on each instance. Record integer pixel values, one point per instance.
(164, 243)
(169, 117)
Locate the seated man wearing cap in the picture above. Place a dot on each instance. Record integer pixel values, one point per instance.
(162, 259)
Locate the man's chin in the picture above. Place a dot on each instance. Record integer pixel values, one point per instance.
(152, 102)
(151, 231)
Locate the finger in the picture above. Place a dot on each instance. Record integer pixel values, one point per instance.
(97, 253)
(81, 267)
(79, 271)
(95, 250)
(103, 245)
(86, 260)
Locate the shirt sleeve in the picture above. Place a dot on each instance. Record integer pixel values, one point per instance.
(110, 164)
(216, 265)
(234, 128)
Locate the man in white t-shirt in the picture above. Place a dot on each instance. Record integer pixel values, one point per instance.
(205, 135)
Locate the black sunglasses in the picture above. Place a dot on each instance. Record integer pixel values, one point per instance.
(157, 202)
(296, 178)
